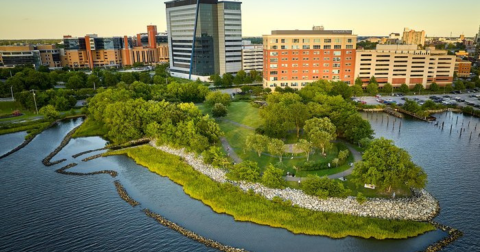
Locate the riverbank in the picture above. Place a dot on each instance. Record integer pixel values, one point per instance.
(229, 199)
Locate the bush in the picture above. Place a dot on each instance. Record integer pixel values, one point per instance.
(247, 171)
(49, 112)
(324, 187)
(361, 198)
(219, 110)
(273, 177)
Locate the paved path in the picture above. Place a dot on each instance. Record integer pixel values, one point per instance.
(357, 156)
(236, 123)
(230, 151)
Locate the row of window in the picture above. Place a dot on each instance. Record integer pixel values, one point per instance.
(335, 59)
(334, 71)
(308, 47)
(274, 66)
(295, 41)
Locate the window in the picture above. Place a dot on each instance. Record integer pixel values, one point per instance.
(337, 53)
(274, 41)
(295, 47)
(317, 47)
(349, 46)
(295, 71)
(284, 71)
(306, 53)
(316, 65)
(283, 41)
(306, 40)
(274, 47)
(305, 71)
(316, 71)
(284, 59)
(306, 47)
(348, 52)
(296, 41)
(326, 52)
(273, 65)
(337, 46)
(305, 58)
(284, 53)
(284, 65)
(273, 72)
(349, 40)
(274, 60)
(316, 53)
(326, 58)
(294, 65)
(336, 64)
(327, 41)
(335, 71)
(284, 47)
(305, 64)
(317, 40)
(326, 70)
(327, 47)
(326, 64)
(337, 40)
(325, 77)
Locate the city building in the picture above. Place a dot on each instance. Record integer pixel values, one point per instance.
(463, 67)
(412, 37)
(37, 55)
(293, 58)
(398, 64)
(92, 51)
(477, 38)
(215, 47)
(252, 56)
(461, 53)
(149, 48)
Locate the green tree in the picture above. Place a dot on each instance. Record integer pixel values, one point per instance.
(321, 132)
(434, 87)
(49, 112)
(388, 167)
(448, 88)
(373, 80)
(256, 142)
(216, 79)
(358, 82)
(404, 88)
(358, 128)
(298, 114)
(93, 81)
(388, 88)
(246, 171)
(342, 88)
(109, 79)
(411, 105)
(323, 187)
(357, 90)
(372, 88)
(219, 110)
(128, 78)
(336, 161)
(459, 85)
(273, 177)
(305, 146)
(145, 78)
(75, 82)
(213, 98)
(227, 79)
(276, 147)
(343, 155)
(418, 88)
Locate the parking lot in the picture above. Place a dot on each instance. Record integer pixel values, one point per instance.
(462, 99)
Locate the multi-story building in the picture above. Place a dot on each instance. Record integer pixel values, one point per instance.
(92, 51)
(477, 38)
(398, 64)
(148, 48)
(296, 57)
(216, 44)
(463, 67)
(252, 56)
(37, 55)
(412, 37)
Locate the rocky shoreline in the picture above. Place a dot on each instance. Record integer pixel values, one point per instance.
(64, 172)
(422, 207)
(65, 141)
(124, 195)
(92, 157)
(453, 235)
(190, 234)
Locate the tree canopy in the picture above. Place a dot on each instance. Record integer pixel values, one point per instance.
(388, 167)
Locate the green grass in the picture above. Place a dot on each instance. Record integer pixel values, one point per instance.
(374, 193)
(6, 108)
(225, 198)
(91, 128)
(244, 113)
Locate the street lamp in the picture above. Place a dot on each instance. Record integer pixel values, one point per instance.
(34, 100)
(11, 90)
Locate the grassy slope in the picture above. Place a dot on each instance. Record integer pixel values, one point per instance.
(244, 207)
(91, 128)
(6, 108)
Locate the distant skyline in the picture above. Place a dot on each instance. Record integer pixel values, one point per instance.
(51, 19)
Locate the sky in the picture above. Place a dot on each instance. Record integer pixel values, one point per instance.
(30, 19)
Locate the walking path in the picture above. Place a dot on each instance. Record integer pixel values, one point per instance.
(357, 156)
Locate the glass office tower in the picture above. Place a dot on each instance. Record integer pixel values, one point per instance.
(205, 37)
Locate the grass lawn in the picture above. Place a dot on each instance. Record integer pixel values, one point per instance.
(6, 108)
(240, 112)
(91, 128)
(374, 193)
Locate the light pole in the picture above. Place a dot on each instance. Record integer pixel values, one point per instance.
(11, 90)
(34, 100)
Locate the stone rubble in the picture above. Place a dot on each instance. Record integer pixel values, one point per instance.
(422, 207)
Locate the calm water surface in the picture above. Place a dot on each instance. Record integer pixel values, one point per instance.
(45, 211)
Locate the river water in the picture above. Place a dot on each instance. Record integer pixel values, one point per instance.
(45, 211)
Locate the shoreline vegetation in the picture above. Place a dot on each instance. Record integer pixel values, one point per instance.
(251, 207)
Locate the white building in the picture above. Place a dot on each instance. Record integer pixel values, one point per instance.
(252, 56)
(204, 37)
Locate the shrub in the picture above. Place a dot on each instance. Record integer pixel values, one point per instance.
(219, 110)
(247, 170)
(361, 198)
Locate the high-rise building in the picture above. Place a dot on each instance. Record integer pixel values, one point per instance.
(399, 64)
(296, 57)
(463, 67)
(477, 38)
(412, 37)
(204, 37)
(252, 56)
(147, 48)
